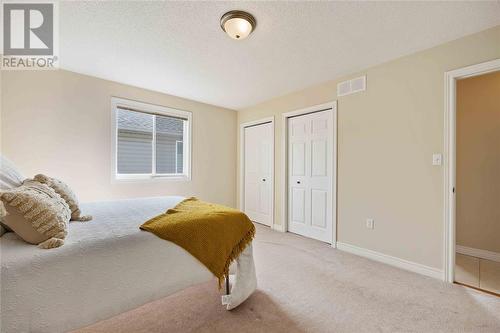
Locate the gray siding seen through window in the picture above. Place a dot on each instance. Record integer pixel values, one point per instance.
(135, 143)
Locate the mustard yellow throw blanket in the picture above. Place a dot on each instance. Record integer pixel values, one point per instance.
(213, 234)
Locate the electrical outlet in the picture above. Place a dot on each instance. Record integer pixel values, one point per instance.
(437, 159)
(370, 224)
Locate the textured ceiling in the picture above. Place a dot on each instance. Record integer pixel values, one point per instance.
(178, 47)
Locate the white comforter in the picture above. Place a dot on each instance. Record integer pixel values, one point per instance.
(106, 266)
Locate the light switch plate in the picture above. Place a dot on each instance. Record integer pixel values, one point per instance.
(437, 159)
(369, 223)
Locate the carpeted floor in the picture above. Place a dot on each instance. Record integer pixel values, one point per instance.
(306, 286)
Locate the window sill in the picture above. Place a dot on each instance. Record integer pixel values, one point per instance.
(150, 178)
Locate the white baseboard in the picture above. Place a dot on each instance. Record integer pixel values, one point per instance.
(393, 261)
(278, 227)
(478, 253)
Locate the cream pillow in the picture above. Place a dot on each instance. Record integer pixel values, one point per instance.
(67, 194)
(36, 213)
(10, 177)
(3, 212)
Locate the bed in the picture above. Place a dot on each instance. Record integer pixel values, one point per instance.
(100, 271)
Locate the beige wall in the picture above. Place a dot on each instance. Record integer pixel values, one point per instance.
(59, 123)
(386, 138)
(478, 162)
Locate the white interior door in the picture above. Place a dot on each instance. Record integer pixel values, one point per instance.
(310, 158)
(258, 193)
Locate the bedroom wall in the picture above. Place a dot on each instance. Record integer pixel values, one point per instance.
(478, 162)
(59, 123)
(386, 138)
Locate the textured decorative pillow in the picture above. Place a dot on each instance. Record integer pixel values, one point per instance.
(10, 177)
(36, 213)
(3, 212)
(67, 194)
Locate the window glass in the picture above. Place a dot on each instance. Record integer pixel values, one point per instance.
(180, 157)
(135, 142)
(169, 133)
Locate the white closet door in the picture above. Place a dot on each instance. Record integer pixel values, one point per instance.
(259, 173)
(310, 158)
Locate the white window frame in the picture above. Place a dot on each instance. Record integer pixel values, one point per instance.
(155, 110)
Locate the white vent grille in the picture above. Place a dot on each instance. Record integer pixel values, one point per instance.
(344, 88)
(352, 86)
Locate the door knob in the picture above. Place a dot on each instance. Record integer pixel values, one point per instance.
(298, 181)
(263, 179)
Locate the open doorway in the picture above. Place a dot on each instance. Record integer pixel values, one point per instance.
(477, 159)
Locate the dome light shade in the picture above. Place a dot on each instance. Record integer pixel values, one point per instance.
(238, 24)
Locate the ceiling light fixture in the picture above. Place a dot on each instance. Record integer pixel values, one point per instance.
(238, 24)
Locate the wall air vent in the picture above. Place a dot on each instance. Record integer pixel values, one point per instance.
(352, 86)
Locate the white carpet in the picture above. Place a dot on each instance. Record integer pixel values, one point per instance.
(306, 286)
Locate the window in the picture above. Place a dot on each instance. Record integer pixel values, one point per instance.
(150, 141)
(178, 155)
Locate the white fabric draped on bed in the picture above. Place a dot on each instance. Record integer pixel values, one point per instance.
(100, 271)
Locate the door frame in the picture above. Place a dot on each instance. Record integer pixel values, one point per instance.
(332, 107)
(450, 146)
(241, 193)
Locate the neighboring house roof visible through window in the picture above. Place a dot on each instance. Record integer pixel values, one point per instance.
(141, 122)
